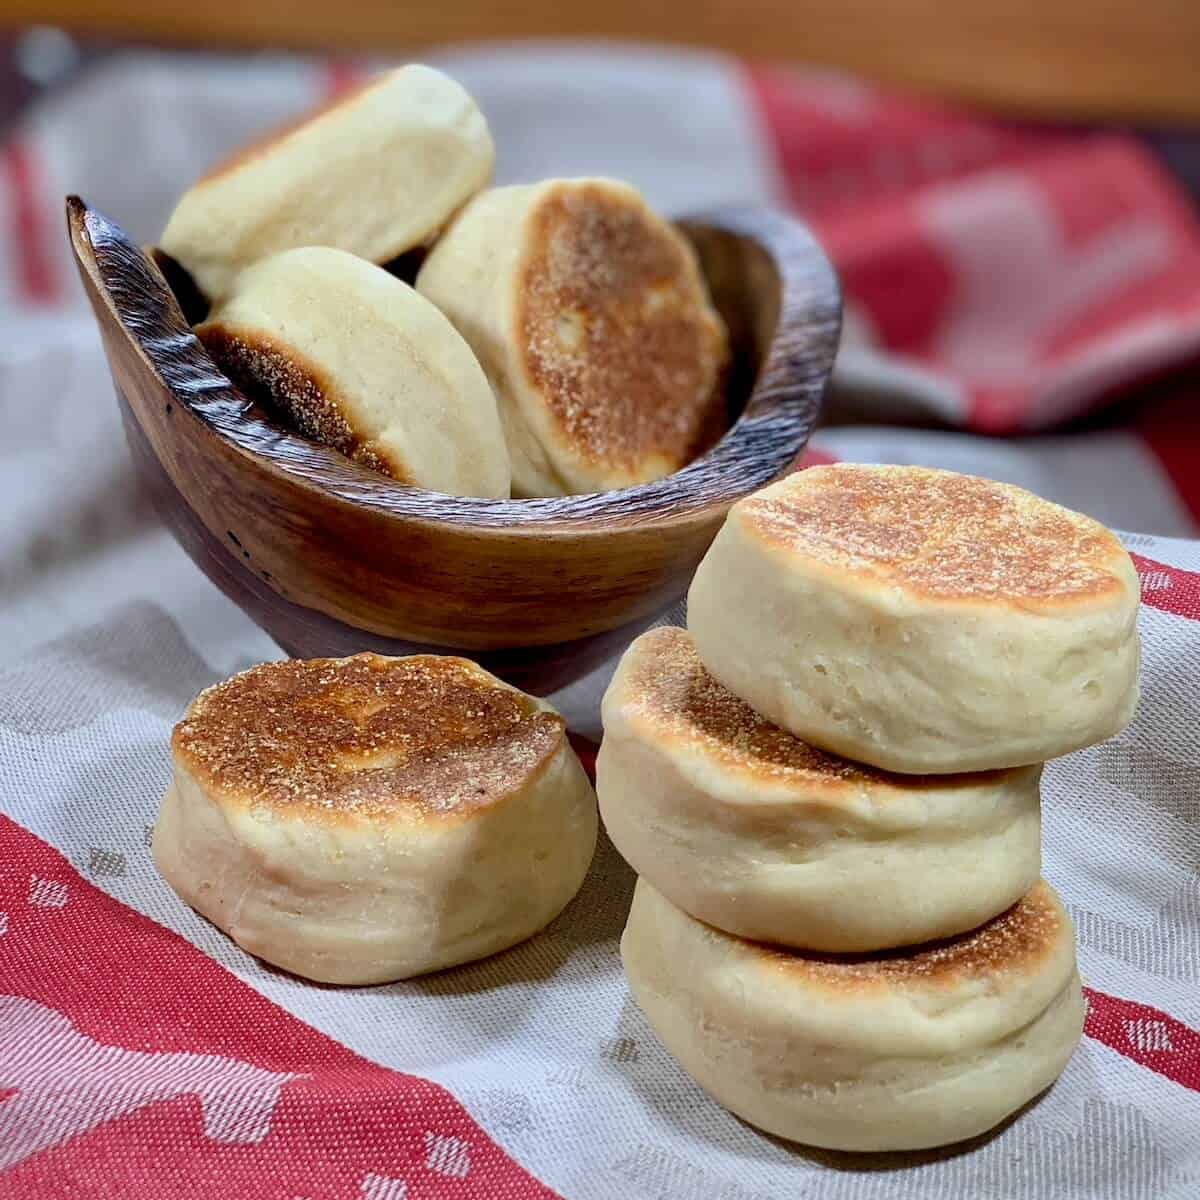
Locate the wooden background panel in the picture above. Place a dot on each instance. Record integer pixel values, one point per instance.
(1088, 58)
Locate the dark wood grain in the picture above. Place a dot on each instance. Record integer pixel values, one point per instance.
(329, 559)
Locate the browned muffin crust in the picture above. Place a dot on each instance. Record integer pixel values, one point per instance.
(939, 534)
(668, 687)
(295, 390)
(617, 333)
(426, 737)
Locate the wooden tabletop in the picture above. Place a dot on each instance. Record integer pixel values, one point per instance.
(1135, 59)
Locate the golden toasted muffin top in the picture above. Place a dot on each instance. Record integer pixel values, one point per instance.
(1015, 943)
(426, 737)
(294, 390)
(938, 534)
(618, 333)
(666, 686)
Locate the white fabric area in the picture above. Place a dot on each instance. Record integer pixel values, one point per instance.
(108, 631)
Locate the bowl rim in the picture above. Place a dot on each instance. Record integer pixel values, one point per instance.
(766, 438)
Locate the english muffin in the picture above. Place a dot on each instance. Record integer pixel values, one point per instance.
(368, 819)
(376, 173)
(592, 320)
(350, 356)
(896, 1051)
(746, 827)
(919, 620)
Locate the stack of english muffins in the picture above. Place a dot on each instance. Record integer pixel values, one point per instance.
(829, 787)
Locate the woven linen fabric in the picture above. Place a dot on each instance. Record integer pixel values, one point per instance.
(999, 279)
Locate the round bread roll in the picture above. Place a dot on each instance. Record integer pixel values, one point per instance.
(367, 819)
(899, 1051)
(746, 827)
(376, 173)
(919, 620)
(352, 357)
(591, 318)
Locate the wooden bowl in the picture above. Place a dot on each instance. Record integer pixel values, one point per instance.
(331, 558)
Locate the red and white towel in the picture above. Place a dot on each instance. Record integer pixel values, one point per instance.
(1000, 279)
